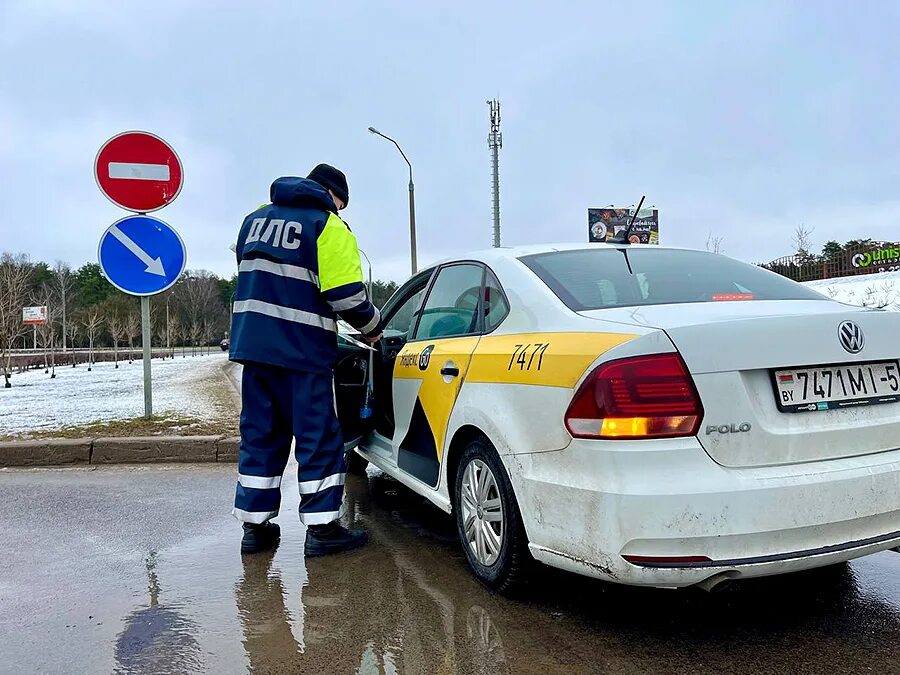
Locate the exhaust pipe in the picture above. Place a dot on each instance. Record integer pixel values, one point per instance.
(719, 582)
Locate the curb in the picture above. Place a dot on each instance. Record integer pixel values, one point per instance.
(131, 450)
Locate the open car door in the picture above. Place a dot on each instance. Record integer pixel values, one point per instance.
(351, 380)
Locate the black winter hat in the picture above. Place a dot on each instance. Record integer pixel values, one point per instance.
(331, 179)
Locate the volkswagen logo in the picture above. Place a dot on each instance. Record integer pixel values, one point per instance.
(851, 337)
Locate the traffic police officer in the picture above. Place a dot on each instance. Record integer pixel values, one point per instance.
(298, 270)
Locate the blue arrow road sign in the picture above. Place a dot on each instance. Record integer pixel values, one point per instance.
(141, 255)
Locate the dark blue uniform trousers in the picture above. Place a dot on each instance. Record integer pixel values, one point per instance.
(278, 405)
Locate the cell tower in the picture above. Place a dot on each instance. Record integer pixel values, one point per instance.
(495, 142)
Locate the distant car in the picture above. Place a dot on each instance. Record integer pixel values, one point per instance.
(641, 414)
(225, 344)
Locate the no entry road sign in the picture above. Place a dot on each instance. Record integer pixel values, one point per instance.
(138, 171)
(141, 255)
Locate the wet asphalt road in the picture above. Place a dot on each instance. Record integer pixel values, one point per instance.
(137, 570)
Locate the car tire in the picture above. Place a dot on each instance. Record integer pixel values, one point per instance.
(356, 464)
(506, 567)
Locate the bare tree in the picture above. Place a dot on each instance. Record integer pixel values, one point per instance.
(43, 337)
(173, 332)
(116, 326)
(73, 328)
(132, 330)
(47, 333)
(63, 288)
(199, 293)
(159, 328)
(92, 322)
(47, 330)
(802, 239)
(210, 329)
(193, 330)
(164, 322)
(15, 273)
(714, 244)
(216, 324)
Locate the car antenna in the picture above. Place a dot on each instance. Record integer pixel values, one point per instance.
(622, 238)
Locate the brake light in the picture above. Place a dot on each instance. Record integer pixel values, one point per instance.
(727, 297)
(639, 397)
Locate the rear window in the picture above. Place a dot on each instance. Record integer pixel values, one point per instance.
(600, 278)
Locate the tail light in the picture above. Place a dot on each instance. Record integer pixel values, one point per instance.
(726, 297)
(639, 397)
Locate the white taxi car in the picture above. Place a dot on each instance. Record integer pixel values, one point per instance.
(641, 414)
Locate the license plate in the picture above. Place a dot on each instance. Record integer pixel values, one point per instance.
(838, 386)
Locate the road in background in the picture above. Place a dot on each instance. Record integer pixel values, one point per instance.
(136, 570)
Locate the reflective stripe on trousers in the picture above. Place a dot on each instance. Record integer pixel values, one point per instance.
(279, 406)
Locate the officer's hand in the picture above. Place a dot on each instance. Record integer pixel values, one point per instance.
(372, 340)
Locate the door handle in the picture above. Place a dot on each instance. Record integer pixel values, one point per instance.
(450, 371)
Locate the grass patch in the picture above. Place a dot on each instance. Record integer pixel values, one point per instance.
(161, 425)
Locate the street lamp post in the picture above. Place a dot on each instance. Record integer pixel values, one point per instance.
(412, 200)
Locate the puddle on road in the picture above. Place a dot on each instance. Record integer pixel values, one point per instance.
(407, 603)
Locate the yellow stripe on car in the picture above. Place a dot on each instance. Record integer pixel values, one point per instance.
(542, 359)
(545, 359)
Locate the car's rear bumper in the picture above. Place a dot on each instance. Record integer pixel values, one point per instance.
(680, 518)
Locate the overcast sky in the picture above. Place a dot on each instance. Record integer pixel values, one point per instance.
(741, 119)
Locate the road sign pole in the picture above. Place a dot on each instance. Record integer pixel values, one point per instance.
(140, 255)
(145, 333)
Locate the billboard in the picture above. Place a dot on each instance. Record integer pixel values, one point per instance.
(605, 223)
(33, 316)
(885, 258)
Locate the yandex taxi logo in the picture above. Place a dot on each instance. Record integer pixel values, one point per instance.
(425, 357)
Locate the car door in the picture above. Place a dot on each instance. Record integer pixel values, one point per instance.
(400, 316)
(356, 364)
(350, 384)
(431, 366)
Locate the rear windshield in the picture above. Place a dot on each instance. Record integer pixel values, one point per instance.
(600, 278)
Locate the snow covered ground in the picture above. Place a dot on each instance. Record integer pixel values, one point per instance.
(191, 386)
(868, 290)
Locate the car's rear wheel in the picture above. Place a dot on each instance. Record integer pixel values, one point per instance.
(488, 520)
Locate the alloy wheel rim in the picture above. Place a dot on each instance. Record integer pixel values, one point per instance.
(482, 512)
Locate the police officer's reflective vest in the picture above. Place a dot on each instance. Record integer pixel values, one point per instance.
(298, 269)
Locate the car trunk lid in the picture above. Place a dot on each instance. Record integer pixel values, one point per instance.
(733, 349)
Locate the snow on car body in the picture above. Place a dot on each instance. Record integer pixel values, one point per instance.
(640, 414)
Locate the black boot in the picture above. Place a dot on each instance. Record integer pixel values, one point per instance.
(259, 538)
(332, 538)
